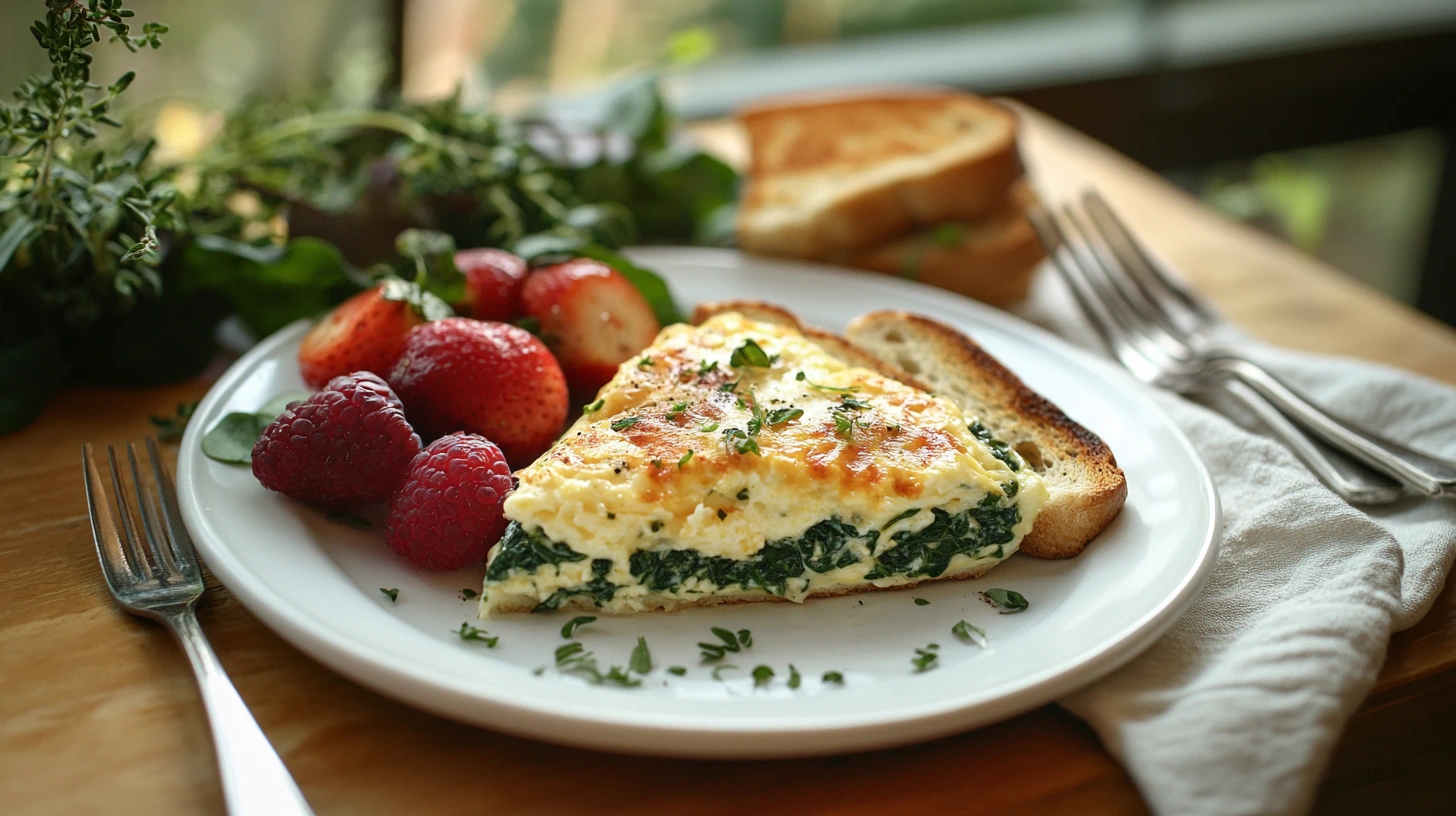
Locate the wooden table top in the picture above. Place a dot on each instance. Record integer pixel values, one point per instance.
(100, 714)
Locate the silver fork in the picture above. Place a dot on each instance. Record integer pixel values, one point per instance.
(152, 570)
(1164, 333)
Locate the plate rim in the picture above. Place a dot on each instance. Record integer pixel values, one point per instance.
(675, 734)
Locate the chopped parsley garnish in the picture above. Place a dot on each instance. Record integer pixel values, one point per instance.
(741, 442)
(677, 670)
(970, 633)
(926, 659)
(573, 659)
(743, 494)
(794, 678)
(645, 361)
(730, 643)
(1009, 600)
(762, 676)
(391, 594)
(624, 422)
(801, 377)
(921, 602)
(729, 386)
(686, 457)
(468, 632)
(751, 355)
(641, 659)
(832, 677)
(854, 405)
(844, 425)
(709, 428)
(593, 407)
(779, 416)
(676, 410)
(657, 463)
(718, 671)
(704, 367)
(574, 624)
(755, 423)
(468, 593)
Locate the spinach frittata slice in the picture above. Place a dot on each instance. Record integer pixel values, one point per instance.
(738, 461)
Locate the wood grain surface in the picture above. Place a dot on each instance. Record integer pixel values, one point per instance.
(99, 713)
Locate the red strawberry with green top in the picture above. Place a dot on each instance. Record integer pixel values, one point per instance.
(485, 378)
(493, 279)
(365, 332)
(592, 318)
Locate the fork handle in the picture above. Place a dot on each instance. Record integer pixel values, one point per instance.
(254, 780)
(1422, 472)
(1351, 480)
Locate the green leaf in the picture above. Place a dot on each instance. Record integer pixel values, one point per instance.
(429, 305)
(641, 659)
(469, 594)
(649, 283)
(970, 633)
(468, 632)
(762, 675)
(391, 594)
(574, 624)
(794, 678)
(1010, 601)
(544, 247)
(231, 439)
(636, 110)
(270, 287)
(926, 659)
(751, 354)
(677, 670)
(274, 408)
(433, 255)
(832, 677)
(14, 235)
(921, 602)
(170, 428)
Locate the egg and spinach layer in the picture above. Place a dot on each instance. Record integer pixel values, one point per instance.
(738, 460)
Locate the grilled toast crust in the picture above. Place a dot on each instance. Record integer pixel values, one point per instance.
(991, 259)
(1087, 489)
(844, 174)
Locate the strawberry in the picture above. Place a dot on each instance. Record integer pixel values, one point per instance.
(493, 279)
(592, 318)
(365, 332)
(485, 378)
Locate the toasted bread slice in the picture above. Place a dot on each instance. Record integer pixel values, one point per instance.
(991, 259)
(842, 174)
(1086, 487)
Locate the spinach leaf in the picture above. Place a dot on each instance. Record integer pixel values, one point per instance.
(1010, 601)
(999, 449)
(641, 659)
(231, 439)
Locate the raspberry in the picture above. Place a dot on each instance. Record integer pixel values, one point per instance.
(447, 513)
(347, 445)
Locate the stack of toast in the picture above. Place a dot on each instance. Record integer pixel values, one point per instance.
(925, 185)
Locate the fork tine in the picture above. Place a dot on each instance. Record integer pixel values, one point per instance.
(131, 542)
(183, 553)
(103, 525)
(1142, 305)
(156, 542)
(1109, 328)
(1143, 268)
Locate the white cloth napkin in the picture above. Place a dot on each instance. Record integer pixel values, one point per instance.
(1237, 709)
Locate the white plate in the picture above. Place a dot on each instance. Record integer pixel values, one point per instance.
(317, 583)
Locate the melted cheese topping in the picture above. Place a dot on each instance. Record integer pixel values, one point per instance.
(665, 459)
